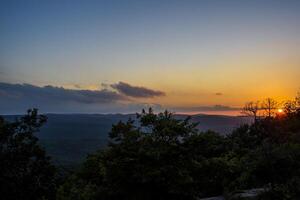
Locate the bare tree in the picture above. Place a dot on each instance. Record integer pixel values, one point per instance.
(251, 109)
(292, 106)
(297, 99)
(269, 106)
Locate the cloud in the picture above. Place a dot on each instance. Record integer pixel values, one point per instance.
(105, 85)
(223, 108)
(59, 93)
(77, 86)
(136, 91)
(218, 93)
(17, 98)
(206, 108)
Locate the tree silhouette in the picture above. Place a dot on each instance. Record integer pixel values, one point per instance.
(155, 157)
(158, 156)
(269, 106)
(251, 109)
(25, 171)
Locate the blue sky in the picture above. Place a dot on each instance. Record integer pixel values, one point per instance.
(190, 50)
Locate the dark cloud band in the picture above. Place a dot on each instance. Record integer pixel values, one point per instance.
(24, 91)
(135, 91)
(16, 98)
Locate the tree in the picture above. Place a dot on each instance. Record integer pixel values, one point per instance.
(290, 107)
(269, 106)
(155, 157)
(251, 109)
(25, 171)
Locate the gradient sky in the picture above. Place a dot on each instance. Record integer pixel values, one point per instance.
(197, 53)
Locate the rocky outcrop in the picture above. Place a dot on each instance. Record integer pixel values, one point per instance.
(251, 194)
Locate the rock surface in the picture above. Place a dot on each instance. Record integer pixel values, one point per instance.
(244, 194)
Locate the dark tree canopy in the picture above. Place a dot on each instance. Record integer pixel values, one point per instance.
(157, 156)
(25, 171)
(152, 158)
(160, 157)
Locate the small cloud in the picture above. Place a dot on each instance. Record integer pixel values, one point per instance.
(77, 86)
(205, 108)
(105, 85)
(218, 94)
(223, 108)
(136, 91)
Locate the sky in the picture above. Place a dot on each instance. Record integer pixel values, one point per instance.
(118, 56)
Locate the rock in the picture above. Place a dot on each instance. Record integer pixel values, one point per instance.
(251, 194)
(214, 198)
(248, 194)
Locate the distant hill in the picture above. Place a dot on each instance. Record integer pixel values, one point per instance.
(68, 138)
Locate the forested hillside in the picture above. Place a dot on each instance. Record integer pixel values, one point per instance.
(69, 138)
(160, 156)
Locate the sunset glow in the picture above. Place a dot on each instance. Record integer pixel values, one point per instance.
(280, 110)
(198, 54)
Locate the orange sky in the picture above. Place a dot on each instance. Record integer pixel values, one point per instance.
(190, 50)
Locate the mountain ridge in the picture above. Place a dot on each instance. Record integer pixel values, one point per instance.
(69, 138)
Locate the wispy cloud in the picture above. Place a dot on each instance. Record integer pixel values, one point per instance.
(136, 91)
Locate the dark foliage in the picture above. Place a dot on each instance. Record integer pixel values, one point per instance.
(25, 171)
(160, 157)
